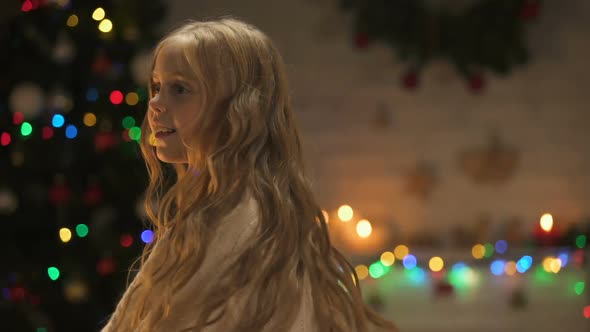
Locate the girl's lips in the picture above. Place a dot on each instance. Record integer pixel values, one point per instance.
(161, 135)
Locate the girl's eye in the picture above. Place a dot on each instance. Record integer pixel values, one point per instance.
(179, 89)
(155, 89)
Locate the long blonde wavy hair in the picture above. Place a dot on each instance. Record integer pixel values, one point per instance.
(244, 138)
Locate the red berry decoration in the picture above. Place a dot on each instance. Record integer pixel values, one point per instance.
(361, 40)
(410, 80)
(476, 83)
(529, 10)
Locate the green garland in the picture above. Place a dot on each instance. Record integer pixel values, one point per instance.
(488, 34)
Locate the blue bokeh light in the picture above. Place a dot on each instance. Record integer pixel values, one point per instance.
(71, 131)
(147, 236)
(497, 267)
(58, 120)
(409, 261)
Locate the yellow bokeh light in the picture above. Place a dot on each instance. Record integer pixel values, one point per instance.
(401, 251)
(345, 213)
(555, 265)
(98, 14)
(546, 222)
(89, 119)
(436, 264)
(363, 228)
(547, 263)
(478, 251)
(132, 99)
(65, 235)
(72, 21)
(62, 3)
(362, 271)
(326, 216)
(510, 268)
(387, 258)
(105, 25)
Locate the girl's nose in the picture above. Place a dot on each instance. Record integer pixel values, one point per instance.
(156, 104)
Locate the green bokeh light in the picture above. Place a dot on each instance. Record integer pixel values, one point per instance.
(135, 133)
(128, 122)
(581, 241)
(53, 273)
(26, 129)
(579, 287)
(81, 230)
(489, 250)
(376, 270)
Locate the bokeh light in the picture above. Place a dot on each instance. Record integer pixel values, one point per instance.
(579, 287)
(362, 271)
(345, 213)
(147, 236)
(581, 241)
(89, 120)
(401, 251)
(497, 267)
(98, 14)
(131, 99)
(501, 246)
(135, 133)
(116, 97)
(363, 228)
(524, 264)
(555, 265)
(478, 251)
(26, 129)
(489, 250)
(92, 94)
(81, 230)
(72, 21)
(105, 25)
(5, 139)
(546, 222)
(462, 276)
(409, 261)
(18, 118)
(126, 240)
(65, 235)
(417, 276)
(47, 132)
(387, 258)
(376, 270)
(564, 258)
(128, 122)
(510, 268)
(58, 120)
(71, 131)
(53, 273)
(436, 264)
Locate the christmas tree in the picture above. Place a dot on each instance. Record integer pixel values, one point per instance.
(72, 97)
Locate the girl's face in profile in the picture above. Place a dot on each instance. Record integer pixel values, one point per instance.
(173, 106)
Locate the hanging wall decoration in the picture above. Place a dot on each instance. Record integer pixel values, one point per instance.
(475, 36)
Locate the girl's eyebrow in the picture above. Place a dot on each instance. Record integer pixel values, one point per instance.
(173, 76)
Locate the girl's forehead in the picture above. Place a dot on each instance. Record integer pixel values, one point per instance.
(170, 60)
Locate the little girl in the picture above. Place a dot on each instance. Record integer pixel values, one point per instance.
(240, 242)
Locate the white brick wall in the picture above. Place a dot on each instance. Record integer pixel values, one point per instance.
(542, 109)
